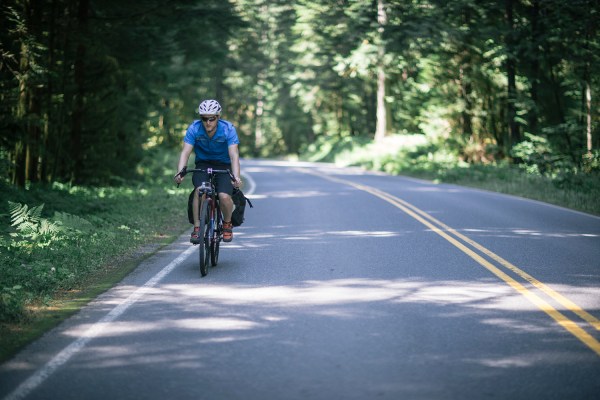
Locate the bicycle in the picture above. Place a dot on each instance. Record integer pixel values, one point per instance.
(211, 218)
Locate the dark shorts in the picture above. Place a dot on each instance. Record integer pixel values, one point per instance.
(223, 181)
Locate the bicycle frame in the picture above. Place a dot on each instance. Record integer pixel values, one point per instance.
(207, 192)
(211, 227)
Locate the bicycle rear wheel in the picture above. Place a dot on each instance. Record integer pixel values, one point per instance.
(205, 241)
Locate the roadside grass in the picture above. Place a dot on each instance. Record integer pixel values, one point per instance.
(419, 157)
(578, 192)
(45, 315)
(55, 259)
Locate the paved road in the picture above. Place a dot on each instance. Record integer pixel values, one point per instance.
(345, 285)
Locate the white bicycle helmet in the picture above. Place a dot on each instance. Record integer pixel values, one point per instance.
(209, 107)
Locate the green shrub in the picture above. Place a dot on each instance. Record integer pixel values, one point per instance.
(540, 173)
(591, 162)
(536, 156)
(55, 246)
(12, 303)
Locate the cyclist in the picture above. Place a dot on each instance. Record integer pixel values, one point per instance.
(215, 143)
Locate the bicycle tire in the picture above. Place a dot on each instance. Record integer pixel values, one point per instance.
(203, 233)
(216, 240)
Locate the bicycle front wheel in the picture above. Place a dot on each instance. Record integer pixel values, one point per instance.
(216, 239)
(203, 234)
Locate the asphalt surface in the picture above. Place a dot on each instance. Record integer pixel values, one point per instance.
(344, 284)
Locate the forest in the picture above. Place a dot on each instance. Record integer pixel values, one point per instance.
(87, 87)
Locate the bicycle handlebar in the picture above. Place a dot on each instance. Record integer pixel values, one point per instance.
(184, 171)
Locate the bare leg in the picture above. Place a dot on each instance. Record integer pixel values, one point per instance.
(195, 206)
(226, 206)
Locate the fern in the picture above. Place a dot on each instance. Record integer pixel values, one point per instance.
(73, 223)
(27, 228)
(31, 226)
(22, 217)
(49, 229)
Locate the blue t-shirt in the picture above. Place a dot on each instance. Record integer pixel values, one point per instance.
(215, 148)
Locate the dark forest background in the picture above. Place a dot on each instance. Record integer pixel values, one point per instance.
(88, 87)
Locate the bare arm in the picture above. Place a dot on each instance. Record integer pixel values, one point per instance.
(234, 155)
(183, 160)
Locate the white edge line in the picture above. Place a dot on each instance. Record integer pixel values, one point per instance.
(61, 358)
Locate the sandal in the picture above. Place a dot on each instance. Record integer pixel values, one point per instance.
(194, 237)
(227, 231)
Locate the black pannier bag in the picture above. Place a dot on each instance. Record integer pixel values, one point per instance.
(190, 207)
(239, 200)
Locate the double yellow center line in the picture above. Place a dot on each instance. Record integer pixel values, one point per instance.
(460, 241)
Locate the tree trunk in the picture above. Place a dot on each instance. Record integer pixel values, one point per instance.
(513, 127)
(34, 137)
(78, 107)
(535, 67)
(381, 128)
(47, 162)
(591, 32)
(465, 93)
(22, 149)
(34, 105)
(258, 128)
(588, 102)
(61, 134)
(19, 174)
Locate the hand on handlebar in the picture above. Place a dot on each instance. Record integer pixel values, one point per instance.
(179, 176)
(237, 183)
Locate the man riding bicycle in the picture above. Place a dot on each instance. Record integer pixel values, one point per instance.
(215, 143)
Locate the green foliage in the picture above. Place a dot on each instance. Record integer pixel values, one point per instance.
(433, 159)
(90, 229)
(32, 230)
(25, 219)
(536, 155)
(12, 302)
(591, 162)
(85, 93)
